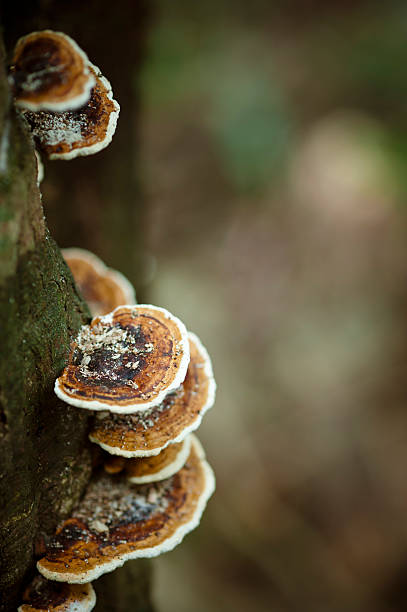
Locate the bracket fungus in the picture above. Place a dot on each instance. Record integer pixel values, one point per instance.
(65, 99)
(150, 469)
(102, 288)
(79, 132)
(43, 595)
(113, 464)
(126, 361)
(49, 71)
(117, 521)
(148, 433)
(158, 467)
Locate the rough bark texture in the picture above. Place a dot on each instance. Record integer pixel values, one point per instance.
(45, 458)
(44, 453)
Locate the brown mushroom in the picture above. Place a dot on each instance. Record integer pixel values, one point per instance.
(84, 131)
(148, 433)
(117, 521)
(102, 288)
(113, 464)
(44, 595)
(50, 72)
(158, 467)
(126, 361)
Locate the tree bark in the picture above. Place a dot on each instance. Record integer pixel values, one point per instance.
(44, 453)
(45, 456)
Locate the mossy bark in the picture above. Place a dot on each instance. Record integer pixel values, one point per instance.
(45, 457)
(44, 454)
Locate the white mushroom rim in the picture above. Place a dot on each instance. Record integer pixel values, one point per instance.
(110, 130)
(208, 369)
(139, 407)
(170, 469)
(166, 546)
(102, 269)
(73, 103)
(40, 168)
(86, 605)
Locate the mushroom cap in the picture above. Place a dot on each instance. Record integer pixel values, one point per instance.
(147, 434)
(114, 464)
(102, 288)
(117, 521)
(126, 361)
(50, 72)
(79, 132)
(158, 467)
(57, 597)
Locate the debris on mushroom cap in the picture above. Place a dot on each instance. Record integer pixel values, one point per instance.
(50, 72)
(57, 597)
(146, 434)
(80, 132)
(158, 467)
(126, 361)
(117, 521)
(102, 288)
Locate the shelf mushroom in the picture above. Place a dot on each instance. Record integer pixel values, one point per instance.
(50, 72)
(117, 521)
(126, 361)
(158, 467)
(148, 433)
(102, 288)
(113, 464)
(79, 132)
(150, 469)
(65, 99)
(43, 595)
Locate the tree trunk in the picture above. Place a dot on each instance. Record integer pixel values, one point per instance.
(44, 453)
(45, 456)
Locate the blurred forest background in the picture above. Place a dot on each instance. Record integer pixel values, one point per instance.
(274, 162)
(272, 155)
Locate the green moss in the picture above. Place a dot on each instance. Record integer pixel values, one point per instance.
(44, 454)
(44, 444)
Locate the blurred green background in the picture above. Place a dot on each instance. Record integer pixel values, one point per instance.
(273, 158)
